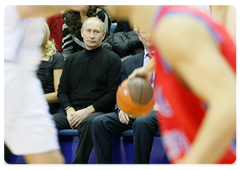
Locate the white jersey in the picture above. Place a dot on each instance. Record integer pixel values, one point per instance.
(28, 126)
(22, 38)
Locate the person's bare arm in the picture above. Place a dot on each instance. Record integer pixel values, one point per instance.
(226, 14)
(231, 24)
(52, 97)
(27, 11)
(196, 59)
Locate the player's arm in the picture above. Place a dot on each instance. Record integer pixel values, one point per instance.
(197, 61)
(27, 11)
(144, 72)
(226, 14)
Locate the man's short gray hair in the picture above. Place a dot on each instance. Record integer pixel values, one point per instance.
(97, 19)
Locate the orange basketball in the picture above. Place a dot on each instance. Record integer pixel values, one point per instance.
(135, 97)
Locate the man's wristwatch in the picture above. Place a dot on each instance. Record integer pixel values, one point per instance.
(67, 108)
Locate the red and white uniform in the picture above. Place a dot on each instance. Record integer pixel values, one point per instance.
(182, 112)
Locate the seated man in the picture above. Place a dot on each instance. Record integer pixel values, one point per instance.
(88, 86)
(105, 126)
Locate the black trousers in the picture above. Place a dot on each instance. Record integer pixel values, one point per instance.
(105, 126)
(85, 145)
(5, 154)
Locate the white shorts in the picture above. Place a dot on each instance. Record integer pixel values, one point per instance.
(28, 126)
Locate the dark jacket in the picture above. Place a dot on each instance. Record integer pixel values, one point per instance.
(122, 26)
(123, 43)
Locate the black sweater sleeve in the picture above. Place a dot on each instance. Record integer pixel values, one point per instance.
(107, 102)
(64, 88)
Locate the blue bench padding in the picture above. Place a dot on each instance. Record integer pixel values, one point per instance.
(73, 132)
(68, 132)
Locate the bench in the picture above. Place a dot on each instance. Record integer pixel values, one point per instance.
(122, 149)
(73, 132)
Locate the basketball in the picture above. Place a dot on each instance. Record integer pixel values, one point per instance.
(135, 97)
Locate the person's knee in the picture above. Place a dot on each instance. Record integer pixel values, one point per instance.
(97, 124)
(86, 122)
(140, 123)
(60, 120)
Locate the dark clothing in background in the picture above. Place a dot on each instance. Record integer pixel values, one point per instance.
(106, 126)
(90, 77)
(45, 74)
(122, 26)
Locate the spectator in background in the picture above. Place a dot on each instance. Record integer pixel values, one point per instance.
(72, 40)
(106, 126)
(88, 86)
(50, 71)
(55, 24)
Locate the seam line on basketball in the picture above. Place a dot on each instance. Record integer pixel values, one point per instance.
(141, 93)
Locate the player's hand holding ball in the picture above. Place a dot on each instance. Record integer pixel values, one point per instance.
(136, 97)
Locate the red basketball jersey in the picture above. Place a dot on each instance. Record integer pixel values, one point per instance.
(182, 111)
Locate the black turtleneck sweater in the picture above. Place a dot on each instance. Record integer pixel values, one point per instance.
(90, 77)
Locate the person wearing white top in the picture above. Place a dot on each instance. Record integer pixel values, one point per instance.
(28, 127)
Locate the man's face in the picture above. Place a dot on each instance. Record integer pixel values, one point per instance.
(145, 38)
(92, 34)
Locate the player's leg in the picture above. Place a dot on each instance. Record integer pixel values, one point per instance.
(28, 127)
(52, 157)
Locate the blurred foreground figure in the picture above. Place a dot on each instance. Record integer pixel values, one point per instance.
(195, 81)
(28, 127)
(226, 14)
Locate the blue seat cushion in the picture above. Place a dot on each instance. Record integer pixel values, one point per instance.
(74, 132)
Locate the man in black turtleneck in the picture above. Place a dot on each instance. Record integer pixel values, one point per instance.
(88, 86)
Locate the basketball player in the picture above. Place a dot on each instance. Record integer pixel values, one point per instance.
(195, 81)
(226, 14)
(28, 127)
